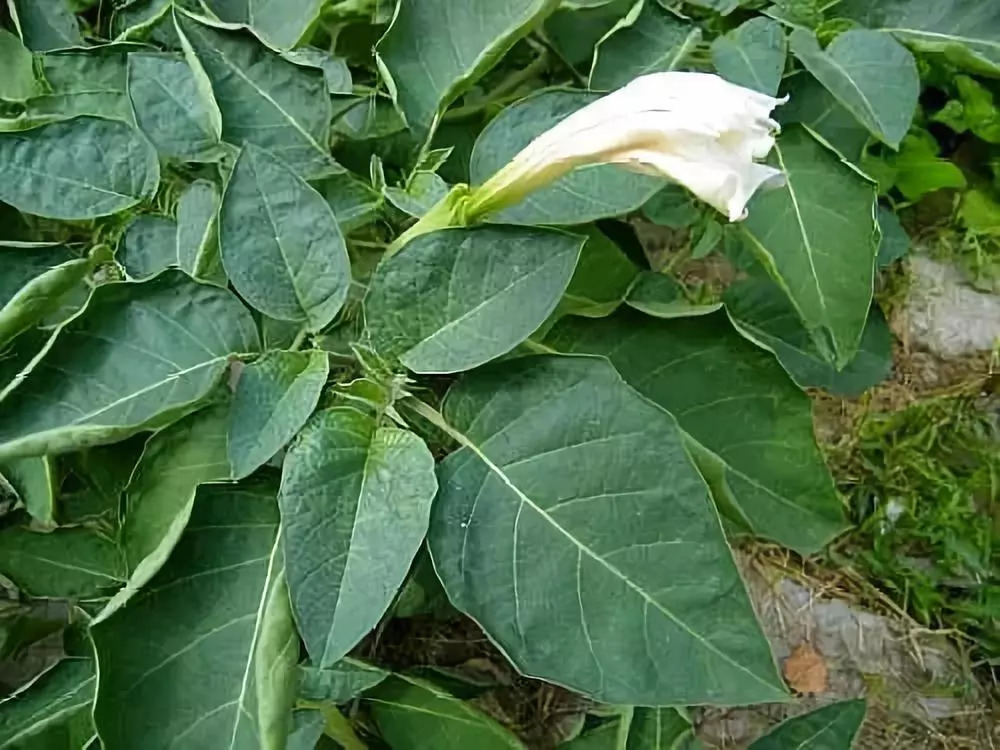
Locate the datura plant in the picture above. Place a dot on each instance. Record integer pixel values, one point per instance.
(318, 317)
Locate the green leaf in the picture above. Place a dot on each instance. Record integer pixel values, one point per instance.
(752, 427)
(582, 196)
(435, 50)
(70, 563)
(811, 104)
(281, 25)
(274, 398)
(752, 55)
(262, 98)
(761, 311)
(33, 283)
(672, 207)
(281, 245)
(91, 82)
(335, 70)
(214, 620)
(608, 736)
(572, 522)
(870, 73)
(422, 193)
(343, 682)
(307, 729)
(17, 356)
(46, 24)
(967, 32)
(197, 233)
(818, 238)
(575, 32)
(832, 727)
(663, 296)
(454, 299)
(50, 709)
(354, 203)
(918, 170)
(660, 729)
(78, 169)
(414, 714)
(168, 108)
(979, 212)
(601, 280)
(148, 246)
(17, 62)
(161, 492)
(140, 356)
(650, 39)
(355, 503)
(36, 482)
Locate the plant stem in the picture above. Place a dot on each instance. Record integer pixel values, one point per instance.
(504, 90)
(300, 337)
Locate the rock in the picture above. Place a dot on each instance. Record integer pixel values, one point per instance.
(944, 314)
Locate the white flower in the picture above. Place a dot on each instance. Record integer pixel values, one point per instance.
(696, 129)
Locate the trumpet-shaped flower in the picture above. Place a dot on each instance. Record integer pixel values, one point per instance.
(696, 129)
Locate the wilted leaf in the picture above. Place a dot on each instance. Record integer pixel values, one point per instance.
(454, 299)
(215, 620)
(818, 237)
(274, 398)
(53, 711)
(581, 196)
(832, 727)
(262, 98)
(281, 245)
(752, 426)
(572, 522)
(77, 169)
(414, 714)
(355, 502)
(868, 72)
(805, 670)
(139, 356)
(650, 39)
(752, 55)
(435, 50)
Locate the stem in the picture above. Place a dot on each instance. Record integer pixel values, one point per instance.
(340, 729)
(300, 337)
(504, 90)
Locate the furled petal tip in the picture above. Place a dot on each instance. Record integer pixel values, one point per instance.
(696, 129)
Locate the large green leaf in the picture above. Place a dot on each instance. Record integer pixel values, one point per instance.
(811, 104)
(281, 245)
(274, 398)
(91, 82)
(262, 98)
(280, 24)
(752, 55)
(75, 563)
(650, 39)
(204, 656)
(762, 312)
(435, 50)
(870, 73)
(572, 522)
(454, 299)
(36, 481)
(197, 232)
(355, 503)
(343, 682)
(169, 109)
(139, 356)
(51, 712)
(818, 238)
(77, 169)
(17, 62)
(414, 714)
(161, 492)
(832, 727)
(601, 280)
(33, 282)
(752, 426)
(46, 24)
(575, 32)
(966, 31)
(581, 196)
